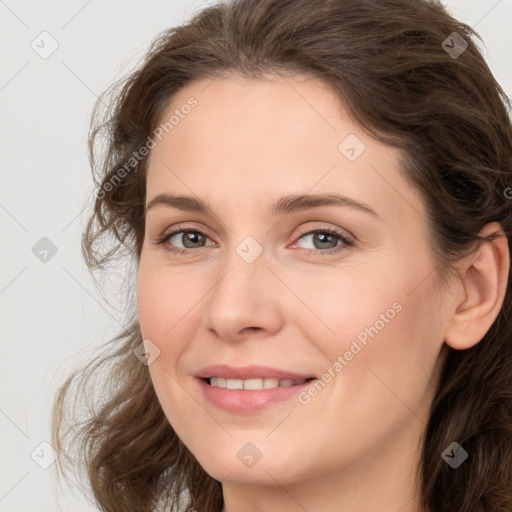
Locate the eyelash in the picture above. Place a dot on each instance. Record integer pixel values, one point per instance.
(346, 242)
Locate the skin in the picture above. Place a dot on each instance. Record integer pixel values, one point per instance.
(356, 445)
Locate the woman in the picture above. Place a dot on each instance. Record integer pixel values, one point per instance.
(315, 196)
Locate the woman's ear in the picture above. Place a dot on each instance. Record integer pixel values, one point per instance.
(484, 281)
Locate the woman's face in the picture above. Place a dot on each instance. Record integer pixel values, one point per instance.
(310, 261)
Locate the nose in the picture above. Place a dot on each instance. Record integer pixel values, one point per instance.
(245, 300)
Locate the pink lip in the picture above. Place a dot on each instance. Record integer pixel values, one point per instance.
(247, 372)
(247, 401)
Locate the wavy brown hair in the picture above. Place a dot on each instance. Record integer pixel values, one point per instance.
(450, 120)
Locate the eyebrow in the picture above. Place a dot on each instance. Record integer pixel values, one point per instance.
(287, 204)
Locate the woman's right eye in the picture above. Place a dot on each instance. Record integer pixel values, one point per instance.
(188, 237)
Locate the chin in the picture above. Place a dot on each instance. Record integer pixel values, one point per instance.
(251, 463)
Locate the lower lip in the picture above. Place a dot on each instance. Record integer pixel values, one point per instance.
(249, 400)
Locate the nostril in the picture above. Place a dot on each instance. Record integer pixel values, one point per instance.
(252, 329)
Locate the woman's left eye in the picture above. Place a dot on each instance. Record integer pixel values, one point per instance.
(328, 241)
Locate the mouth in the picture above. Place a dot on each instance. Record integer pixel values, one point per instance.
(255, 383)
(249, 389)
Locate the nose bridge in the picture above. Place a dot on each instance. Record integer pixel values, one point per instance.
(243, 295)
(245, 263)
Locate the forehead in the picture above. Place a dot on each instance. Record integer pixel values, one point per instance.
(247, 141)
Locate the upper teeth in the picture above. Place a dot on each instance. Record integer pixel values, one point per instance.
(266, 383)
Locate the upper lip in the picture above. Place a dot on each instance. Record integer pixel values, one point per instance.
(247, 372)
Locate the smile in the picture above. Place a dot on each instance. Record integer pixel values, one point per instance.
(264, 383)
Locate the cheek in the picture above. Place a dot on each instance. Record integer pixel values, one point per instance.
(391, 352)
(341, 306)
(168, 318)
(166, 302)
(388, 332)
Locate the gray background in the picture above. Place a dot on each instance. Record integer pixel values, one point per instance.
(52, 313)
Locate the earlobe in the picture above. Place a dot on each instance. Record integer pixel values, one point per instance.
(484, 280)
